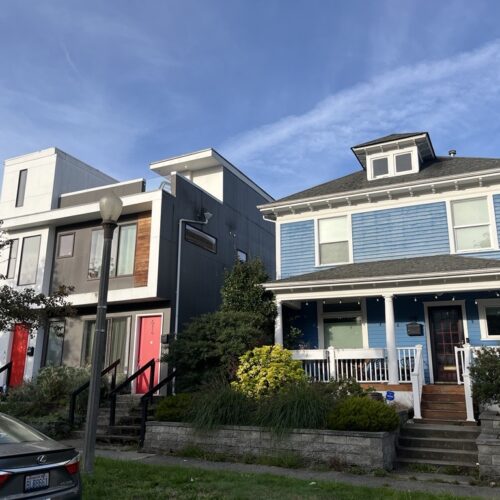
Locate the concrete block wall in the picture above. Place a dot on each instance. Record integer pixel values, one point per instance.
(488, 444)
(370, 450)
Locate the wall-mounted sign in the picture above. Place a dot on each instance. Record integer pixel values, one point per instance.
(414, 329)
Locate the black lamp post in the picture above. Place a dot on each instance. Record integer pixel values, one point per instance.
(110, 207)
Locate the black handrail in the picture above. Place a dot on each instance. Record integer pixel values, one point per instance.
(112, 395)
(145, 400)
(8, 367)
(72, 402)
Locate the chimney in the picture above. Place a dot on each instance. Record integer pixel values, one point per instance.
(452, 152)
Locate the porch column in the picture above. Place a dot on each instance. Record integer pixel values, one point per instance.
(390, 338)
(278, 324)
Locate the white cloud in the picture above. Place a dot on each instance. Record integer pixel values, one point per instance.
(455, 99)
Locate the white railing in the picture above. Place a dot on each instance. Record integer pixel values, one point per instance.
(417, 381)
(463, 358)
(364, 365)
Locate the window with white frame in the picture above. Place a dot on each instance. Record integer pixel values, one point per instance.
(471, 224)
(392, 163)
(489, 318)
(334, 240)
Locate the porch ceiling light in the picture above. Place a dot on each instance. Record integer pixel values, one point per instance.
(110, 207)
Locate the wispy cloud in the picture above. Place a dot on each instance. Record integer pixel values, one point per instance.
(455, 99)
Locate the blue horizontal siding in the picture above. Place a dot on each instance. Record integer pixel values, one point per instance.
(297, 248)
(395, 233)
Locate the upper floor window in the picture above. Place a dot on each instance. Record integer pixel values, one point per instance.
(334, 240)
(471, 224)
(200, 238)
(122, 252)
(11, 264)
(65, 245)
(29, 260)
(21, 188)
(241, 255)
(393, 163)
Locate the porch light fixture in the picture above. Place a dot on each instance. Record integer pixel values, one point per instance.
(497, 294)
(110, 207)
(415, 299)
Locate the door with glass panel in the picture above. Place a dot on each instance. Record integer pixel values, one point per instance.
(344, 331)
(117, 342)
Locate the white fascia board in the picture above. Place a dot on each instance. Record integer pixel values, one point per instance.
(104, 186)
(80, 213)
(114, 296)
(363, 196)
(35, 155)
(457, 275)
(395, 141)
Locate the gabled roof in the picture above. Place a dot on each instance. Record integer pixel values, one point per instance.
(438, 265)
(388, 138)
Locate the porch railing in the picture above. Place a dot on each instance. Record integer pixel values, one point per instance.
(463, 359)
(364, 365)
(417, 381)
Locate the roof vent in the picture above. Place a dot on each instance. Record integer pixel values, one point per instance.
(452, 152)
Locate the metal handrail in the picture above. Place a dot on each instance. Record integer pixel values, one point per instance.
(8, 367)
(72, 402)
(112, 395)
(146, 399)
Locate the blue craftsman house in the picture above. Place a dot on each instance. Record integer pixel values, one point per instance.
(391, 274)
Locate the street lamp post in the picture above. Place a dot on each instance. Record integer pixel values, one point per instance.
(110, 207)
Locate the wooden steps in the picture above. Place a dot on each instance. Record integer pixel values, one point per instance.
(443, 402)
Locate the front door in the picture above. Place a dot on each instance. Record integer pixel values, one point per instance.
(446, 329)
(18, 354)
(149, 348)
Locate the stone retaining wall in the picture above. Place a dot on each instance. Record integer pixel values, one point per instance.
(370, 450)
(488, 444)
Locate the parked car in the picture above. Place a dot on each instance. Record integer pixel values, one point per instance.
(33, 465)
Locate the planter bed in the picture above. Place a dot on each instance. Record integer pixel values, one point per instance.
(370, 450)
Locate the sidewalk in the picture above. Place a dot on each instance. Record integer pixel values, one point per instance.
(430, 483)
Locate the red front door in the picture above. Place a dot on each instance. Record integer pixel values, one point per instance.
(149, 348)
(18, 354)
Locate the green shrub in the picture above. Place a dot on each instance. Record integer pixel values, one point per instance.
(55, 426)
(338, 390)
(221, 405)
(297, 406)
(485, 375)
(176, 408)
(362, 414)
(265, 370)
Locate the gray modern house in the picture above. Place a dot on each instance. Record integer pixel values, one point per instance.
(172, 247)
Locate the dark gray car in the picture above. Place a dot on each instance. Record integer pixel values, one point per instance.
(34, 466)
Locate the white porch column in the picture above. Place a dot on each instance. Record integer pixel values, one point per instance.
(278, 324)
(390, 337)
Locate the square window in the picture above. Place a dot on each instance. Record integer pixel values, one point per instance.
(403, 163)
(242, 256)
(66, 242)
(492, 314)
(380, 167)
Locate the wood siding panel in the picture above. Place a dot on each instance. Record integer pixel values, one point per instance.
(297, 248)
(141, 265)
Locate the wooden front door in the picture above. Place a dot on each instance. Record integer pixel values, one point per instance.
(149, 348)
(18, 354)
(446, 329)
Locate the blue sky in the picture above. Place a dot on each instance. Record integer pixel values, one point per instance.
(281, 88)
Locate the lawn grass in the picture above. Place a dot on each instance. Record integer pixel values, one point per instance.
(131, 480)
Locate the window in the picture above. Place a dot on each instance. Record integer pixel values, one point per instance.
(489, 318)
(334, 240)
(471, 224)
(117, 342)
(242, 256)
(21, 188)
(393, 163)
(344, 325)
(122, 252)
(55, 342)
(11, 265)
(200, 238)
(29, 260)
(65, 245)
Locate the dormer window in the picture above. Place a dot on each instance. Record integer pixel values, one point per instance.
(392, 163)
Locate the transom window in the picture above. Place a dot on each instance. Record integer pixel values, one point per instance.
(334, 240)
(471, 224)
(122, 252)
(389, 164)
(201, 239)
(489, 318)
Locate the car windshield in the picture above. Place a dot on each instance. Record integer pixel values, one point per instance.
(14, 431)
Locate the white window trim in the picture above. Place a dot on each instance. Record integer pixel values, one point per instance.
(349, 240)
(391, 162)
(326, 315)
(492, 225)
(483, 325)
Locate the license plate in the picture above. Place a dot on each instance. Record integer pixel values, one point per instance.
(36, 482)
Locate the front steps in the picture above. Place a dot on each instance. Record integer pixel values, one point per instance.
(442, 438)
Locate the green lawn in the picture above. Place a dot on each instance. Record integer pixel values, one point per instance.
(132, 480)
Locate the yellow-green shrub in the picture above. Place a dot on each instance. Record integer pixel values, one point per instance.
(265, 370)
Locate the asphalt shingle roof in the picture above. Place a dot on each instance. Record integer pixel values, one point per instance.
(441, 166)
(397, 267)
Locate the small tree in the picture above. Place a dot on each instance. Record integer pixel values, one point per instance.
(485, 375)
